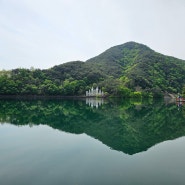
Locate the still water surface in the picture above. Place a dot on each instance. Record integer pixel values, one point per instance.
(88, 142)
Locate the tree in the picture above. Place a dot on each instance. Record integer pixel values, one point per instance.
(183, 91)
(124, 91)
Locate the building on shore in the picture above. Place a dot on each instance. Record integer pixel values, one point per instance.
(94, 92)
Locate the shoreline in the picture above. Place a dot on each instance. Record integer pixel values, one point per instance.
(32, 97)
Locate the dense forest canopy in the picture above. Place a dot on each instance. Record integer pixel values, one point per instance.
(127, 70)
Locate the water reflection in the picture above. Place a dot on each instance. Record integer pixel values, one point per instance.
(126, 126)
(94, 102)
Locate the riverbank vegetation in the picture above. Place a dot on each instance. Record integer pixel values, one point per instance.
(128, 70)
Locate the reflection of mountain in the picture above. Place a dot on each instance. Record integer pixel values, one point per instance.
(126, 127)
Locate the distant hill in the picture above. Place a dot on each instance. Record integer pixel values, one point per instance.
(120, 70)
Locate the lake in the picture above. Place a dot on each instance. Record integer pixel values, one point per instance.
(91, 142)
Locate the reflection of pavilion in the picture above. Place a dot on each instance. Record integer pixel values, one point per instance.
(93, 102)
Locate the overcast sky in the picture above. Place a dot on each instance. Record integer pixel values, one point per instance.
(44, 33)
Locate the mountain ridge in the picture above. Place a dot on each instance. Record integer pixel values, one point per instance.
(119, 71)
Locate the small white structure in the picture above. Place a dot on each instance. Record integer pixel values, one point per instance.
(94, 92)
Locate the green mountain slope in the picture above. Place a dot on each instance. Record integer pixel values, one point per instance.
(119, 71)
(141, 66)
(115, 60)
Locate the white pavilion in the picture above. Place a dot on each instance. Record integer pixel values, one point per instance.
(94, 92)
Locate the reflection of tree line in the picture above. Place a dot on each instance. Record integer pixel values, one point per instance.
(124, 126)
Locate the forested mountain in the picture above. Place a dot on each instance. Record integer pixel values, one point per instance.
(130, 69)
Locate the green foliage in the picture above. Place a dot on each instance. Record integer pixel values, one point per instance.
(183, 91)
(137, 95)
(118, 71)
(124, 92)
